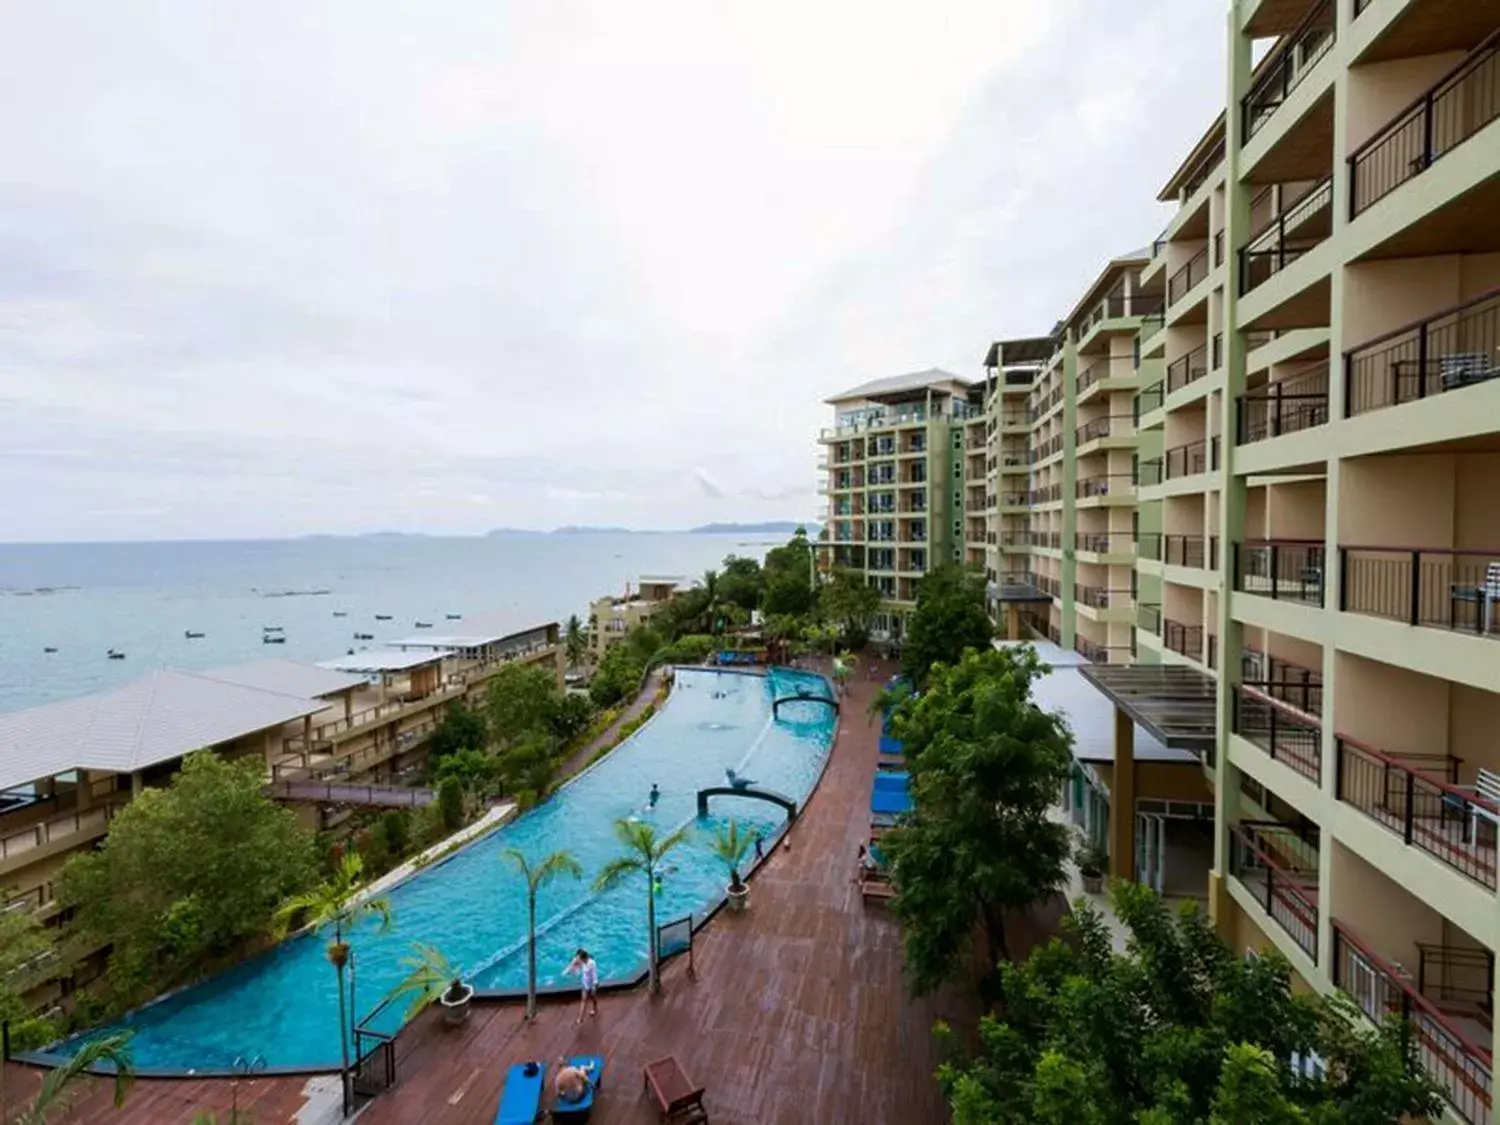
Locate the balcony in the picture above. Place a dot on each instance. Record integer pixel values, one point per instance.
(1447, 352)
(1103, 542)
(1046, 540)
(54, 834)
(1287, 735)
(1149, 399)
(1302, 226)
(1450, 1056)
(1287, 406)
(1188, 278)
(1014, 500)
(1196, 551)
(1185, 640)
(1187, 369)
(1455, 109)
(1148, 546)
(1106, 487)
(1148, 473)
(1282, 73)
(1437, 588)
(1148, 617)
(1100, 597)
(1193, 459)
(1299, 688)
(1283, 569)
(1101, 428)
(1048, 494)
(1271, 862)
(1417, 797)
(1091, 375)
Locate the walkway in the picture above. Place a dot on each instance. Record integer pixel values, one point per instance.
(349, 793)
(580, 758)
(798, 1012)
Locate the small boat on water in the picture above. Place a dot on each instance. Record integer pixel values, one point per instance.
(49, 648)
(272, 629)
(269, 639)
(364, 636)
(115, 654)
(454, 616)
(192, 636)
(382, 617)
(423, 624)
(339, 613)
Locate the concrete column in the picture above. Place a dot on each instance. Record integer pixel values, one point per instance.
(1122, 800)
(136, 784)
(1069, 487)
(85, 797)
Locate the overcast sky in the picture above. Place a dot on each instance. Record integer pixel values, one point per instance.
(345, 265)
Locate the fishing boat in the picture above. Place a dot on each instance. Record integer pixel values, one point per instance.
(192, 636)
(115, 654)
(49, 648)
(423, 624)
(272, 629)
(339, 613)
(364, 636)
(382, 617)
(454, 616)
(270, 639)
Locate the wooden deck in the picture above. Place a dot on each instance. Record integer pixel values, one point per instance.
(798, 1012)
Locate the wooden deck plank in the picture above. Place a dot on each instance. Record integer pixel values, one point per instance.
(798, 1012)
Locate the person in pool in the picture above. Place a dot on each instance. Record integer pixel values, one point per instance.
(588, 977)
(654, 796)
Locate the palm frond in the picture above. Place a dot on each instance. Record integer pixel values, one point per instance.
(429, 973)
(111, 1050)
(617, 870)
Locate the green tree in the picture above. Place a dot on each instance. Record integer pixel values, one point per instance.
(849, 603)
(537, 876)
(740, 583)
(395, 827)
(644, 852)
(450, 799)
(1177, 1030)
(986, 766)
(710, 587)
(22, 938)
(340, 903)
(206, 860)
(950, 617)
(575, 641)
(111, 1051)
(520, 700)
(461, 729)
(571, 716)
(789, 577)
(474, 770)
(617, 677)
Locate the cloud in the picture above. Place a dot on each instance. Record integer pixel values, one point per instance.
(333, 265)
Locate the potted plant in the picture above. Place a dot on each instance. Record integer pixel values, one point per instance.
(732, 845)
(431, 976)
(455, 1001)
(1093, 860)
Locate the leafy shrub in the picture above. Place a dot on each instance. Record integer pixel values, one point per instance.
(451, 803)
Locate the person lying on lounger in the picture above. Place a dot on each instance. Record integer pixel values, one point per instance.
(573, 1081)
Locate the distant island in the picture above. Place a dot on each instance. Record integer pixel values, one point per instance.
(778, 527)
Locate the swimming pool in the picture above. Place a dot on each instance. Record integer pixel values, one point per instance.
(283, 1005)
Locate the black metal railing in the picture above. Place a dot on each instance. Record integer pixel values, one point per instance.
(1106, 484)
(1459, 979)
(1181, 638)
(1101, 597)
(1460, 1067)
(1186, 279)
(1292, 684)
(1446, 352)
(1047, 540)
(1203, 169)
(1216, 353)
(1148, 545)
(1196, 551)
(1284, 71)
(1284, 569)
(1288, 736)
(1151, 324)
(1302, 226)
(1100, 428)
(1102, 542)
(1417, 797)
(1287, 406)
(1438, 588)
(1192, 459)
(1452, 111)
(1187, 368)
(1149, 472)
(1149, 399)
(1092, 374)
(1264, 859)
(1148, 617)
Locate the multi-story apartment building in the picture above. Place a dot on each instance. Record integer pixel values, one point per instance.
(332, 738)
(1319, 548)
(904, 469)
(1011, 368)
(610, 618)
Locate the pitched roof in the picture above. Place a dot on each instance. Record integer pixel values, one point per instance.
(156, 719)
(381, 660)
(286, 677)
(892, 384)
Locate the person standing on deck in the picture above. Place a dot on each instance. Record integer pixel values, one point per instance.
(588, 977)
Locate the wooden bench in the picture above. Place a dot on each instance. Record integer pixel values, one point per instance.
(678, 1101)
(879, 889)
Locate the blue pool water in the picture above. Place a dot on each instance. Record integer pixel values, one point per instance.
(283, 1005)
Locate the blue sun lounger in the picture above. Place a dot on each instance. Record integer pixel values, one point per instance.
(521, 1099)
(579, 1110)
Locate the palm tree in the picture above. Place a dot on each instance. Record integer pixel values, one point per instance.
(644, 851)
(710, 609)
(113, 1050)
(335, 903)
(429, 975)
(537, 876)
(732, 845)
(575, 641)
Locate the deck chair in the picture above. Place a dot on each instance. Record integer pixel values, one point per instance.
(580, 1110)
(521, 1099)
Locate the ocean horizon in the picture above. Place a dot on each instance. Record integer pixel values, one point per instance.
(143, 598)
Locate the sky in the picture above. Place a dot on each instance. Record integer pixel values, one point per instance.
(350, 265)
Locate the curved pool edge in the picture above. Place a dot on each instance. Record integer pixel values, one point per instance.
(49, 1059)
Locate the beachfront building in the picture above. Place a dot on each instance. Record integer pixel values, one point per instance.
(332, 738)
(610, 618)
(1319, 588)
(904, 469)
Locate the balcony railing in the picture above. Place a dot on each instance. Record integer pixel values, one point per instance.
(1149, 399)
(1102, 542)
(1148, 546)
(1261, 857)
(1216, 353)
(1148, 472)
(1460, 1066)
(1284, 72)
(1014, 500)
(1186, 279)
(1046, 540)
(1196, 551)
(1101, 597)
(1452, 111)
(1092, 374)
(1284, 569)
(1298, 687)
(1151, 324)
(1454, 349)
(1417, 796)
(1148, 617)
(1437, 588)
(1203, 169)
(1302, 226)
(1187, 369)
(58, 829)
(1192, 459)
(1287, 406)
(1101, 428)
(1108, 484)
(1183, 639)
(1289, 736)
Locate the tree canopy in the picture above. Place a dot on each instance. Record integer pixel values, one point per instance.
(22, 938)
(740, 583)
(950, 617)
(520, 699)
(1177, 1031)
(849, 604)
(789, 577)
(188, 872)
(986, 765)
